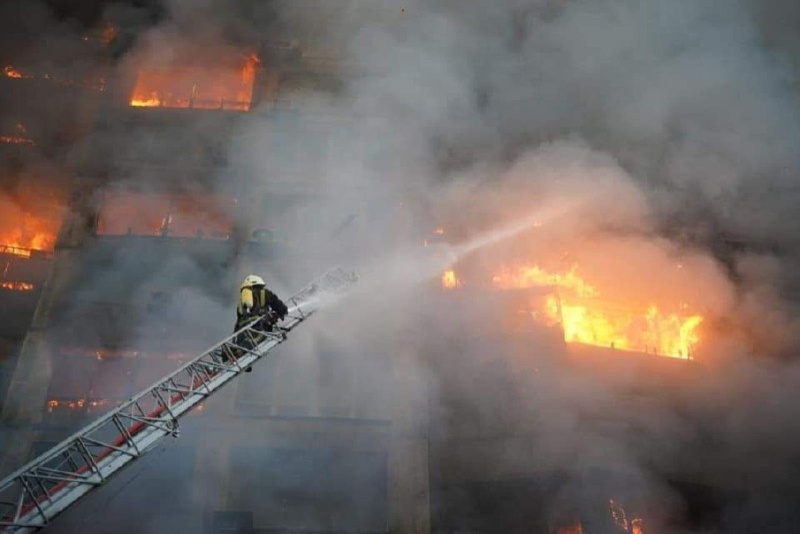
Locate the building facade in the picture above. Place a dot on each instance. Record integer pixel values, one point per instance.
(157, 220)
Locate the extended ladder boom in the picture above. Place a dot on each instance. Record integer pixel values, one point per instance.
(32, 496)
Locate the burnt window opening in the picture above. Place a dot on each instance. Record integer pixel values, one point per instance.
(223, 86)
(30, 219)
(88, 382)
(190, 216)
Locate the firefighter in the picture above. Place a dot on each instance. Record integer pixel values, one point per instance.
(256, 301)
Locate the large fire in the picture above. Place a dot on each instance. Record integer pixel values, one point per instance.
(30, 219)
(226, 87)
(592, 317)
(28, 233)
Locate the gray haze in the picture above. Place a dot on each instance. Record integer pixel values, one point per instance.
(621, 122)
(648, 116)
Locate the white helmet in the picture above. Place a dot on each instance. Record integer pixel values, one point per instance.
(252, 280)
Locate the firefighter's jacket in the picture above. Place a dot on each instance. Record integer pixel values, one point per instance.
(256, 301)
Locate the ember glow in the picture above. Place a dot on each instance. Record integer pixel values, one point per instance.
(104, 354)
(77, 404)
(117, 353)
(20, 137)
(14, 140)
(450, 280)
(104, 35)
(92, 82)
(620, 519)
(618, 515)
(591, 317)
(109, 33)
(575, 528)
(12, 72)
(16, 286)
(226, 87)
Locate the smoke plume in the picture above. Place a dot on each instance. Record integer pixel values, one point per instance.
(630, 137)
(667, 127)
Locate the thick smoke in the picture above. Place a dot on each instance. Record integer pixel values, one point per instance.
(648, 117)
(635, 135)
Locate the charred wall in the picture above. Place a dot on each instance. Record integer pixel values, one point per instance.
(159, 227)
(519, 432)
(545, 445)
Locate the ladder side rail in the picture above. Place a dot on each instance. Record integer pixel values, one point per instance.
(294, 317)
(161, 421)
(91, 458)
(142, 431)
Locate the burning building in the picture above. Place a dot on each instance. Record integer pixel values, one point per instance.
(143, 239)
(506, 395)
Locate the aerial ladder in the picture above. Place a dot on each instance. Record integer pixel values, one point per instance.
(31, 497)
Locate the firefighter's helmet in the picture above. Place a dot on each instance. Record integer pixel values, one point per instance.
(252, 280)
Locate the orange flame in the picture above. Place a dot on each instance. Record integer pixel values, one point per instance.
(587, 320)
(637, 526)
(11, 72)
(16, 286)
(29, 233)
(193, 87)
(450, 280)
(16, 251)
(535, 276)
(29, 220)
(96, 83)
